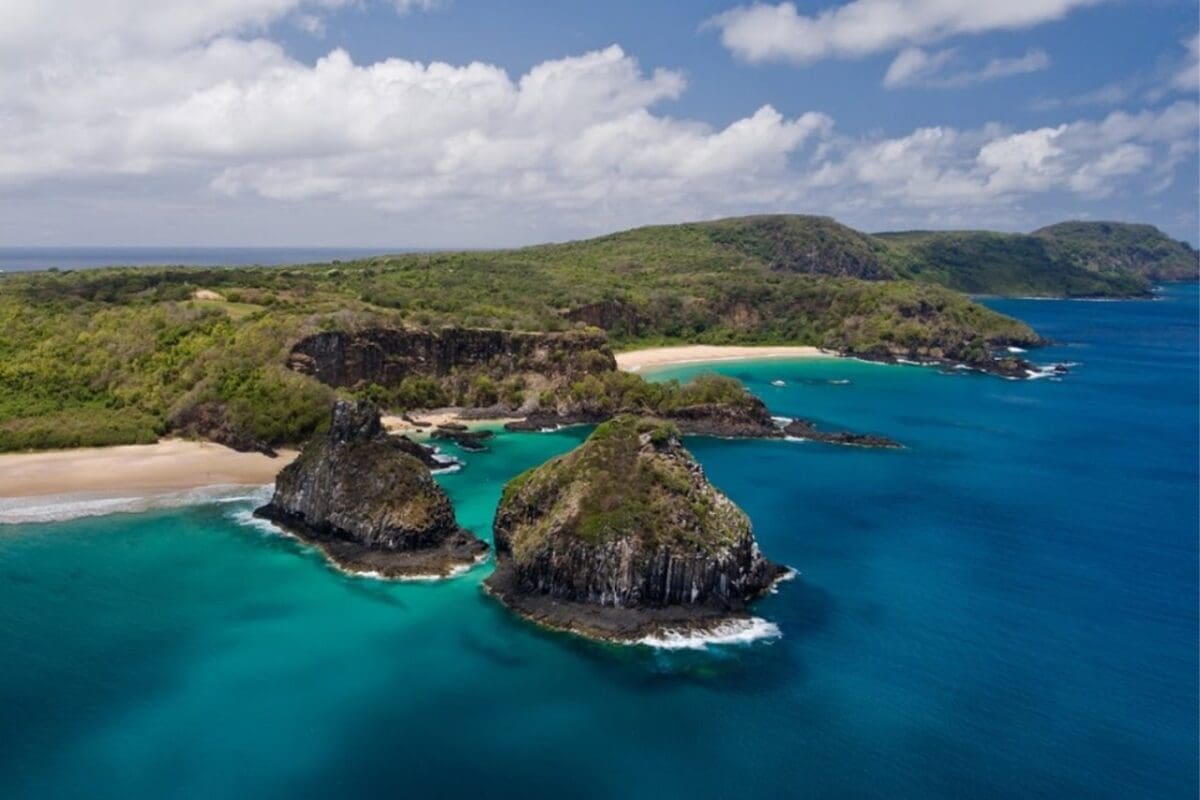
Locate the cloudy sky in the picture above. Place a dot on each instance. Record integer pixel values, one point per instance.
(426, 123)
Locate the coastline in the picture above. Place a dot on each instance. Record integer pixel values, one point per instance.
(424, 422)
(659, 357)
(168, 466)
(100, 480)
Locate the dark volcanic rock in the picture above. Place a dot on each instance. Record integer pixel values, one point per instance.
(211, 421)
(371, 506)
(472, 441)
(625, 537)
(386, 356)
(804, 429)
(428, 456)
(748, 419)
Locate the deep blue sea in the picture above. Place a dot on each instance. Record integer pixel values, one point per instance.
(29, 259)
(1005, 608)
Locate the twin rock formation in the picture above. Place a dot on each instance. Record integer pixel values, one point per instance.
(619, 539)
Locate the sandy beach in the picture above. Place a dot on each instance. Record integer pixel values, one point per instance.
(441, 416)
(175, 465)
(169, 465)
(637, 360)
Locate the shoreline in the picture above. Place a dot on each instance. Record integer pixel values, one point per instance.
(99, 480)
(168, 466)
(677, 355)
(677, 627)
(440, 416)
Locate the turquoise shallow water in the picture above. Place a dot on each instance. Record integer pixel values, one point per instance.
(1005, 608)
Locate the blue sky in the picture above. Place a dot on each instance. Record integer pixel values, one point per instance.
(462, 122)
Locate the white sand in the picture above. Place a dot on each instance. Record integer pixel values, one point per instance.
(440, 417)
(636, 360)
(170, 465)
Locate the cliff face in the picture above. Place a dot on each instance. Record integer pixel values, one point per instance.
(386, 356)
(370, 505)
(624, 536)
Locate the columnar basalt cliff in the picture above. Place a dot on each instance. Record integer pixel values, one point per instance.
(369, 504)
(386, 356)
(624, 537)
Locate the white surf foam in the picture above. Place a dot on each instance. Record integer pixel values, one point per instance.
(790, 575)
(733, 632)
(1049, 371)
(61, 507)
(246, 518)
(840, 381)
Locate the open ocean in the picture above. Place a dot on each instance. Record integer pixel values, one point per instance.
(30, 259)
(1005, 608)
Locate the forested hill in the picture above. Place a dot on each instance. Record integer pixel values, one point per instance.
(127, 354)
(1070, 259)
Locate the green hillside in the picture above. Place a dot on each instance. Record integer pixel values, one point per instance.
(1012, 264)
(124, 355)
(1106, 246)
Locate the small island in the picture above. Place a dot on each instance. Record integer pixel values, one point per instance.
(625, 538)
(369, 503)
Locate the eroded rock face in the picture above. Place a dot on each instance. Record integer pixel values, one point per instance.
(386, 356)
(369, 503)
(625, 536)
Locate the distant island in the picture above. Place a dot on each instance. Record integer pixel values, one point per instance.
(253, 357)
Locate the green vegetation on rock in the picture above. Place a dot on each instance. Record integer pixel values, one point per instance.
(1120, 246)
(630, 478)
(1071, 259)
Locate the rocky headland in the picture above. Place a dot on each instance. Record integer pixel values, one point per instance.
(623, 538)
(370, 503)
(387, 356)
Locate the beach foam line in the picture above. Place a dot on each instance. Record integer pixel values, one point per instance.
(62, 507)
(732, 632)
(246, 518)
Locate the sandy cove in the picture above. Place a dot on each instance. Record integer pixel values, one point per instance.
(170, 465)
(653, 357)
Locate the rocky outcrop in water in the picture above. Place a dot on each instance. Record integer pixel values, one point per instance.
(625, 537)
(804, 429)
(369, 503)
(386, 356)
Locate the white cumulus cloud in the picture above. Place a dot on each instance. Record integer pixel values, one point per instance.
(212, 127)
(763, 32)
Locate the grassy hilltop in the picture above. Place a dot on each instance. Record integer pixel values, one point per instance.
(1071, 259)
(124, 355)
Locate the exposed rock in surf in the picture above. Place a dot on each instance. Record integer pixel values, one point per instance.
(369, 502)
(625, 537)
(805, 429)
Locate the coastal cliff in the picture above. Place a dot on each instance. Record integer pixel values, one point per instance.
(624, 537)
(386, 356)
(369, 504)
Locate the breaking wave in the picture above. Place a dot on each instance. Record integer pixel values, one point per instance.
(733, 632)
(61, 507)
